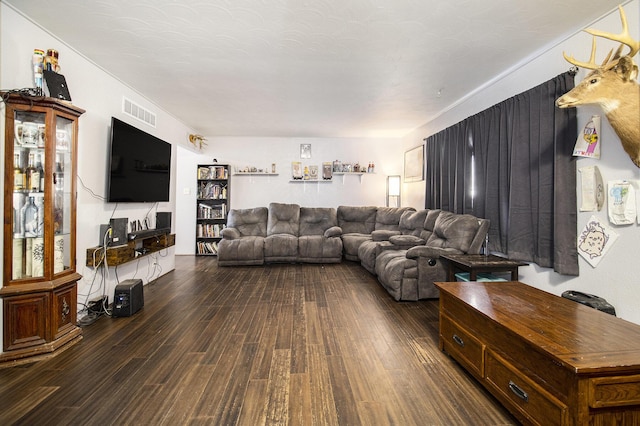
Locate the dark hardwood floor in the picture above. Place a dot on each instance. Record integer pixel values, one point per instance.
(280, 344)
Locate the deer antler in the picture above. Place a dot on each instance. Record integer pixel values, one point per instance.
(624, 38)
(591, 65)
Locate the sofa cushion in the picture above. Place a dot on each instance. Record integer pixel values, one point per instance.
(241, 251)
(454, 231)
(357, 219)
(406, 241)
(351, 243)
(412, 222)
(430, 220)
(383, 234)
(281, 248)
(398, 275)
(283, 219)
(388, 218)
(248, 222)
(316, 220)
(319, 249)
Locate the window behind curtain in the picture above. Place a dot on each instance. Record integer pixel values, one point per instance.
(513, 165)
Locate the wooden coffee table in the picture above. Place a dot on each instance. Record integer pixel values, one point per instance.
(478, 263)
(547, 359)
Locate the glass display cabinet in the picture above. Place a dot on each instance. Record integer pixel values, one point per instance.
(39, 270)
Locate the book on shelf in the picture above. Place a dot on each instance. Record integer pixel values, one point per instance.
(203, 173)
(207, 247)
(206, 211)
(210, 230)
(221, 172)
(213, 172)
(212, 191)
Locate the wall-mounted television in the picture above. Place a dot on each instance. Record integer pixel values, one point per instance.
(139, 166)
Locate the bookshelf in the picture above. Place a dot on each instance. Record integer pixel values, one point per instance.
(212, 207)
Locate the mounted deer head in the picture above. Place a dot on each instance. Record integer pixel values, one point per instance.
(613, 86)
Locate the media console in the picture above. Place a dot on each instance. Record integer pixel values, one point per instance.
(549, 360)
(141, 243)
(147, 233)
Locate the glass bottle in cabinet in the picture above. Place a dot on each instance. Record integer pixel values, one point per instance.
(39, 281)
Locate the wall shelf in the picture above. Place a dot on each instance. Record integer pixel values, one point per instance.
(255, 174)
(352, 173)
(310, 181)
(359, 174)
(133, 250)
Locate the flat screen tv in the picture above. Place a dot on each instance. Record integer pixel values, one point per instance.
(139, 166)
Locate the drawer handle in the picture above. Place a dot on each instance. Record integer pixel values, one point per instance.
(458, 340)
(518, 391)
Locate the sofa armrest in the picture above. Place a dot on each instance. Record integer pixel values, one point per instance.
(230, 233)
(426, 251)
(405, 242)
(334, 231)
(383, 234)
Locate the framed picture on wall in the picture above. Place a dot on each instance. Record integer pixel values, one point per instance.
(296, 170)
(414, 164)
(305, 150)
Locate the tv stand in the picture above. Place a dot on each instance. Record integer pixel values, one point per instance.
(142, 244)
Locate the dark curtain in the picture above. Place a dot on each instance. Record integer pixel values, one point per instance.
(449, 170)
(516, 163)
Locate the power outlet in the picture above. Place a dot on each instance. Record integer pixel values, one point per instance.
(99, 305)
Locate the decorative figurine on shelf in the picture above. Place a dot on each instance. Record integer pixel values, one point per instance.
(51, 61)
(38, 68)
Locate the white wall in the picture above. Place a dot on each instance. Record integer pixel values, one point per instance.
(255, 191)
(617, 276)
(101, 96)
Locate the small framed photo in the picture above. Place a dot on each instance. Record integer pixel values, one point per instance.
(305, 150)
(296, 170)
(327, 171)
(313, 172)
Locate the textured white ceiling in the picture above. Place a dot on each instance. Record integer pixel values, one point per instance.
(308, 68)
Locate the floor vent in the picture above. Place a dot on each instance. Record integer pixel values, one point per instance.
(138, 112)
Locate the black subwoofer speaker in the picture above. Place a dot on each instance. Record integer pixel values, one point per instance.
(128, 298)
(163, 220)
(118, 231)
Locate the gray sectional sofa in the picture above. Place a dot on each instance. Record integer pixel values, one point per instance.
(401, 246)
(280, 233)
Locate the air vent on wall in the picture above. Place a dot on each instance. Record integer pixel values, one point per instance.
(138, 112)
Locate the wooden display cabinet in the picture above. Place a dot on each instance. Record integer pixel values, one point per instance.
(39, 276)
